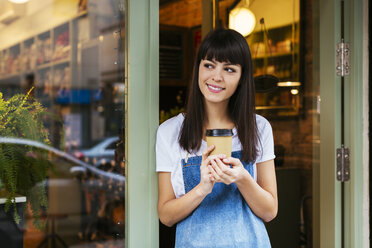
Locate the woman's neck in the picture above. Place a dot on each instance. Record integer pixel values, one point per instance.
(217, 116)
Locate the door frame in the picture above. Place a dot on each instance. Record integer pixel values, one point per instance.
(326, 189)
(141, 122)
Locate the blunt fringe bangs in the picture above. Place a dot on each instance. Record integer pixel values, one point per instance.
(222, 49)
(223, 45)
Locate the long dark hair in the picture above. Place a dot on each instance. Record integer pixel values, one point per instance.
(223, 45)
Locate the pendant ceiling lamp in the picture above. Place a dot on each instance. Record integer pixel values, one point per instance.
(265, 83)
(293, 82)
(18, 1)
(242, 19)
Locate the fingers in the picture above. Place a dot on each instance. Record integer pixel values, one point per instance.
(220, 172)
(216, 169)
(208, 159)
(225, 169)
(232, 161)
(206, 152)
(213, 175)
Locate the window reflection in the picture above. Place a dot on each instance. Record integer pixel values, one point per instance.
(71, 56)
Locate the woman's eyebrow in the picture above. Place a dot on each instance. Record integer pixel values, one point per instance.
(211, 61)
(228, 64)
(224, 63)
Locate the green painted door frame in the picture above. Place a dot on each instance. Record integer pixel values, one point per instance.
(326, 200)
(326, 189)
(354, 125)
(141, 122)
(142, 92)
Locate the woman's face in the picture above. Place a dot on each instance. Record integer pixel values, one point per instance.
(218, 80)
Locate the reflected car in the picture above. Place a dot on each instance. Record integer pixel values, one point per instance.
(85, 203)
(101, 154)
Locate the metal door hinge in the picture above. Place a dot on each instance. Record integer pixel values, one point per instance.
(343, 164)
(343, 59)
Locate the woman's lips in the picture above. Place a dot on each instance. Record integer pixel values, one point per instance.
(214, 88)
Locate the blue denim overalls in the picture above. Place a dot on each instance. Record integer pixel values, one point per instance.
(223, 219)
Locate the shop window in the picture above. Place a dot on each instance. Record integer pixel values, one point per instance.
(69, 57)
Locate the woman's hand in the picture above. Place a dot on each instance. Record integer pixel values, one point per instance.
(206, 183)
(261, 196)
(221, 171)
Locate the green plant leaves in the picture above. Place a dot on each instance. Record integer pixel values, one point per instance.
(23, 169)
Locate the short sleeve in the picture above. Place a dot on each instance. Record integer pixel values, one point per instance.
(163, 151)
(266, 141)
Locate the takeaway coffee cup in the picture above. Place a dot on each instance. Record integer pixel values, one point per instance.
(221, 139)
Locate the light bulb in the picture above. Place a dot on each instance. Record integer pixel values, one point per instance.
(294, 91)
(288, 84)
(18, 1)
(242, 20)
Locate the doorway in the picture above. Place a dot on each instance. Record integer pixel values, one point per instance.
(282, 47)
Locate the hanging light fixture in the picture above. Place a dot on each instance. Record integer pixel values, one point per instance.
(242, 19)
(18, 1)
(266, 82)
(293, 82)
(289, 84)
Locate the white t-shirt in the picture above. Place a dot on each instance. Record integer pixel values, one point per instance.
(169, 153)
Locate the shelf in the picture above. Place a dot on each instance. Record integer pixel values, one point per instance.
(51, 64)
(44, 66)
(80, 14)
(10, 76)
(61, 61)
(40, 67)
(284, 63)
(275, 107)
(274, 55)
(49, 52)
(32, 71)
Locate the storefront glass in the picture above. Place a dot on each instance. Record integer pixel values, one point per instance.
(67, 56)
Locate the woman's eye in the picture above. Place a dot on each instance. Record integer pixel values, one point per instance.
(209, 66)
(230, 69)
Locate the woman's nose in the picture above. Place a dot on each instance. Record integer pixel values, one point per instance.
(217, 76)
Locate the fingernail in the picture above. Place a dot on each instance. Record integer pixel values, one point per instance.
(226, 160)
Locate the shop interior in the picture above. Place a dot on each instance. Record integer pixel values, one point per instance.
(71, 54)
(280, 41)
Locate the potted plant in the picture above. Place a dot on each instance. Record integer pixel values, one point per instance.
(23, 169)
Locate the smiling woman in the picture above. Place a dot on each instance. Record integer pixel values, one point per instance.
(218, 80)
(205, 194)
